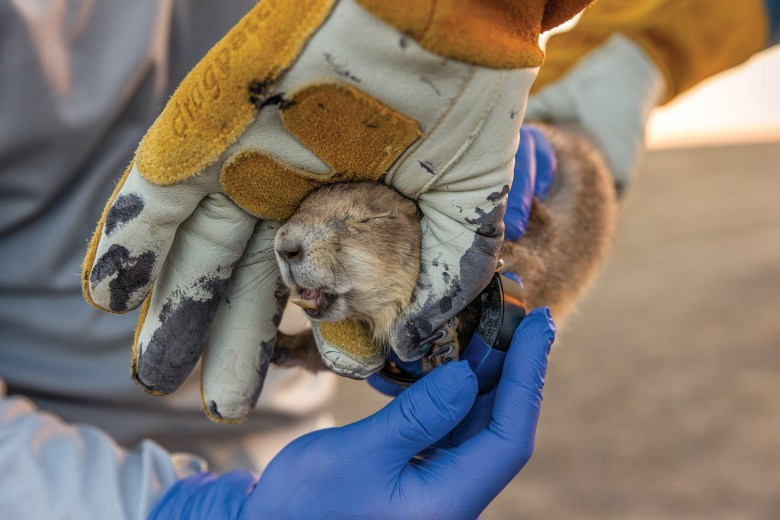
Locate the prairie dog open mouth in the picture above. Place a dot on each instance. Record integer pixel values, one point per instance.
(313, 301)
(351, 250)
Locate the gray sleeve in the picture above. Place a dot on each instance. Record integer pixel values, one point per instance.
(50, 469)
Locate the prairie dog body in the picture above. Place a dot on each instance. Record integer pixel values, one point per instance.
(353, 250)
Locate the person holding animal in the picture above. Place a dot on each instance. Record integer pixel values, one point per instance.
(293, 97)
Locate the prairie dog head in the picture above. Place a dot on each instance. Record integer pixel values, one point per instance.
(352, 250)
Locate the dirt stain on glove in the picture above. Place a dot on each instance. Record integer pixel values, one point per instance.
(176, 345)
(133, 273)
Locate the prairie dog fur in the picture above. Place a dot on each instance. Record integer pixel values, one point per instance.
(354, 249)
(569, 234)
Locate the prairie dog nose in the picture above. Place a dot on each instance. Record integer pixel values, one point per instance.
(290, 250)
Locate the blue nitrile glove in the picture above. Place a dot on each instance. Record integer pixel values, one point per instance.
(535, 167)
(433, 452)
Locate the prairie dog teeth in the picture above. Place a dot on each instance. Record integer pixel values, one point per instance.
(310, 305)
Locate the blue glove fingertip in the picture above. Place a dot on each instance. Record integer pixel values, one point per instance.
(522, 190)
(513, 276)
(546, 163)
(536, 333)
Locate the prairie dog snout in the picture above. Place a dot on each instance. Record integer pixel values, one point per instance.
(352, 250)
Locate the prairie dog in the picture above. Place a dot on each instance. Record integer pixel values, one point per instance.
(353, 250)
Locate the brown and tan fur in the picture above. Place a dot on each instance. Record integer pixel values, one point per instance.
(355, 236)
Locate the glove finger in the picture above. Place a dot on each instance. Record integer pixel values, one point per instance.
(546, 163)
(174, 324)
(422, 414)
(496, 454)
(242, 337)
(132, 240)
(521, 194)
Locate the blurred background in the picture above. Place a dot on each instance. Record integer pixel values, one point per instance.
(662, 398)
(663, 392)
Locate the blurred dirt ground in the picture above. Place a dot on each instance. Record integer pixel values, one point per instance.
(663, 394)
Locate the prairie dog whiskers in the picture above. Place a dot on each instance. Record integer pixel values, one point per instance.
(353, 250)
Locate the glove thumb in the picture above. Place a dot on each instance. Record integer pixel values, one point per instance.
(425, 412)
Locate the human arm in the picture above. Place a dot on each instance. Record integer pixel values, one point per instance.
(402, 461)
(623, 59)
(51, 469)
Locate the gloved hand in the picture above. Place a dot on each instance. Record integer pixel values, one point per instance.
(535, 167)
(433, 452)
(299, 94)
(609, 93)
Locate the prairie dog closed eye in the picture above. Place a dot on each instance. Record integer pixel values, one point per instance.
(353, 250)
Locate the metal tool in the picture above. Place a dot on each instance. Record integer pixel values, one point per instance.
(502, 310)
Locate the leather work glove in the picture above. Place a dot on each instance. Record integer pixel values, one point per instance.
(609, 93)
(436, 451)
(298, 94)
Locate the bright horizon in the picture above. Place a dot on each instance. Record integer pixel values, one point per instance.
(738, 106)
